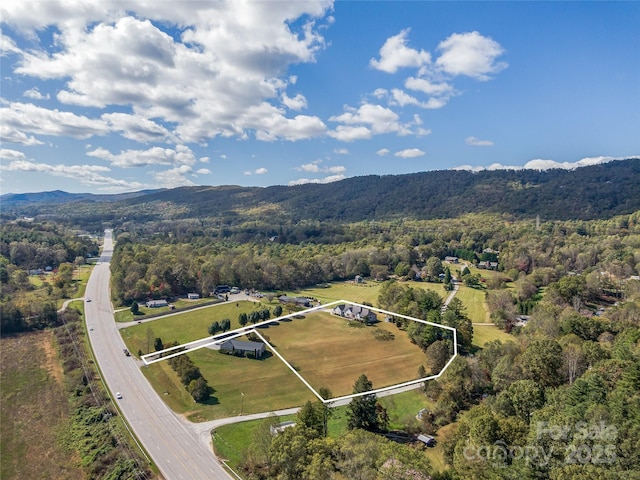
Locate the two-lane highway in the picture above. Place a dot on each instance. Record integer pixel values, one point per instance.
(177, 452)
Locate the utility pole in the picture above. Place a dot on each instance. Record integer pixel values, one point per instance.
(241, 402)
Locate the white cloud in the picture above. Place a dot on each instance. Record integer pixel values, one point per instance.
(8, 154)
(410, 153)
(29, 118)
(383, 151)
(423, 132)
(349, 134)
(175, 177)
(425, 86)
(296, 103)
(182, 155)
(476, 142)
(85, 174)
(203, 81)
(328, 179)
(203, 171)
(539, 164)
(137, 127)
(367, 120)
(470, 54)
(13, 135)
(260, 171)
(395, 54)
(341, 151)
(310, 167)
(35, 94)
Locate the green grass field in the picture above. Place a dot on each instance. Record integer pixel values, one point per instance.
(123, 314)
(473, 300)
(328, 352)
(486, 333)
(185, 326)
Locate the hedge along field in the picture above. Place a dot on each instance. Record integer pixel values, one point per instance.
(186, 326)
(267, 385)
(327, 351)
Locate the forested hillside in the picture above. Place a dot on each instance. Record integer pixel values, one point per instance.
(599, 191)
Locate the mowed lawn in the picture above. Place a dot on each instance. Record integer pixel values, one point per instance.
(240, 384)
(328, 352)
(186, 326)
(486, 333)
(473, 300)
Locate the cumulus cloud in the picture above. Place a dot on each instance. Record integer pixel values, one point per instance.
(35, 94)
(476, 142)
(410, 153)
(470, 54)
(296, 103)
(8, 154)
(181, 155)
(13, 135)
(383, 151)
(341, 151)
(367, 120)
(175, 177)
(395, 54)
(28, 118)
(257, 171)
(328, 179)
(203, 171)
(540, 164)
(85, 174)
(203, 82)
(315, 167)
(137, 127)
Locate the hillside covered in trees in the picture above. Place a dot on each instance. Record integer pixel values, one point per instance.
(598, 191)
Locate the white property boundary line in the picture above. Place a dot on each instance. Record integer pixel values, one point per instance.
(161, 355)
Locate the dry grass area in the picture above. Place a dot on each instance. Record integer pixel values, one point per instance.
(34, 410)
(328, 352)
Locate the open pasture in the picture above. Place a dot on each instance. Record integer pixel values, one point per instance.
(329, 351)
(241, 385)
(184, 327)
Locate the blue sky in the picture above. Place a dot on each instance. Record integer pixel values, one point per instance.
(117, 96)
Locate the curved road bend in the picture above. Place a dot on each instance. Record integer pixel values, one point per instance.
(175, 449)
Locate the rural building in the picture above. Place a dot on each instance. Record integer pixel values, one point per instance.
(355, 312)
(428, 440)
(238, 346)
(359, 279)
(451, 259)
(193, 296)
(281, 427)
(157, 303)
(488, 265)
(222, 289)
(299, 301)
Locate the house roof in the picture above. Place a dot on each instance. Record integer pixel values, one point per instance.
(242, 345)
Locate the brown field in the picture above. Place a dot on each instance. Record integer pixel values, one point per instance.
(328, 352)
(34, 410)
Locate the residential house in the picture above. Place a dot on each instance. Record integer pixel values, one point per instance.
(428, 440)
(451, 259)
(488, 265)
(298, 301)
(193, 296)
(157, 303)
(243, 348)
(355, 312)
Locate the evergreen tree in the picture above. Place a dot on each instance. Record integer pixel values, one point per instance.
(362, 410)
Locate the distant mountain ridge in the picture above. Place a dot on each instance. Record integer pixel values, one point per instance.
(59, 196)
(598, 191)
